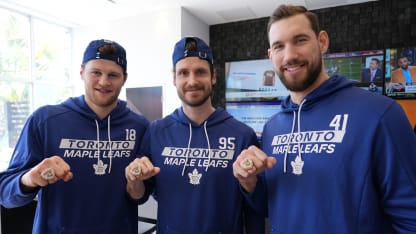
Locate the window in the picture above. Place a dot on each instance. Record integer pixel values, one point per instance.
(35, 63)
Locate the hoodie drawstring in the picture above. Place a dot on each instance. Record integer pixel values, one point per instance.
(189, 144)
(98, 142)
(288, 142)
(110, 153)
(300, 108)
(209, 146)
(291, 133)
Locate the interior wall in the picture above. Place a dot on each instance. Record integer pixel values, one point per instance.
(148, 40)
(193, 26)
(366, 26)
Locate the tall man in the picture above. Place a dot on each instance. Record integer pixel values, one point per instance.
(72, 156)
(335, 171)
(189, 155)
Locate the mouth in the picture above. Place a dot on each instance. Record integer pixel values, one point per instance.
(293, 68)
(103, 91)
(193, 90)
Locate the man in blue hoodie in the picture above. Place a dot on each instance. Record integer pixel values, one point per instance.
(189, 155)
(72, 156)
(335, 171)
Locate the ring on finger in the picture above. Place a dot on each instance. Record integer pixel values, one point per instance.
(48, 173)
(247, 164)
(137, 171)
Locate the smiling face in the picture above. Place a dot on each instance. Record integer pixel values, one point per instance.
(373, 65)
(194, 81)
(103, 80)
(296, 53)
(403, 62)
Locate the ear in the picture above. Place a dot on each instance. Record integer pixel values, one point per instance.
(80, 73)
(323, 39)
(269, 54)
(125, 78)
(214, 77)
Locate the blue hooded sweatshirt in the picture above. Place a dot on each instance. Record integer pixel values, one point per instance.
(346, 163)
(95, 201)
(195, 190)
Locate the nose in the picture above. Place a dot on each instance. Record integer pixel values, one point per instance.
(104, 80)
(290, 53)
(192, 78)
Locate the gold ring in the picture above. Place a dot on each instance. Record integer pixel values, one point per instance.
(137, 171)
(247, 164)
(48, 173)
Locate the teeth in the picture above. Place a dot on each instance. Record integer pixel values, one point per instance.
(292, 68)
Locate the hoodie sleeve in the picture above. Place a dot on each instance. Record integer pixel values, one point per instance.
(254, 214)
(145, 150)
(394, 162)
(27, 153)
(254, 222)
(257, 200)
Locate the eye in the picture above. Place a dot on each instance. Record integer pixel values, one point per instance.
(182, 73)
(277, 47)
(201, 72)
(114, 75)
(96, 73)
(301, 40)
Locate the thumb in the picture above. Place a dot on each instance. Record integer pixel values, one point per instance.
(156, 170)
(270, 162)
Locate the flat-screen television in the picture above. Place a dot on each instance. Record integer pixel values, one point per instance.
(254, 114)
(400, 76)
(252, 80)
(366, 68)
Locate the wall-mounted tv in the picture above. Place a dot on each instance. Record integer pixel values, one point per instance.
(400, 77)
(363, 67)
(252, 80)
(254, 114)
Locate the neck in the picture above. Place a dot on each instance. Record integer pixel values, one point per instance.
(200, 113)
(100, 111)
(298, 96)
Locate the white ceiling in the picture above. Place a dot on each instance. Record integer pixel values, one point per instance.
(87, 12)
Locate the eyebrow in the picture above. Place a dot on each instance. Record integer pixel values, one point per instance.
(297, 36)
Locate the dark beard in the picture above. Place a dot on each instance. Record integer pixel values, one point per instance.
(195, 104)
(311, 77)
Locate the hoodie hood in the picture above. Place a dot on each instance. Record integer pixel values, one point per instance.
(79, 105)
(330, 86)
(218, 117)
(215, 118)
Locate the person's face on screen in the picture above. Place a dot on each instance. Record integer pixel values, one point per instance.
(103, 80)
(296, 52)
(194, 81)
(403, 63)
(373, 65)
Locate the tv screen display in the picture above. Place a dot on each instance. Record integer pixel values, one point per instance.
(254, 114)
(400, 76)
(252, 80)
(363, 67)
